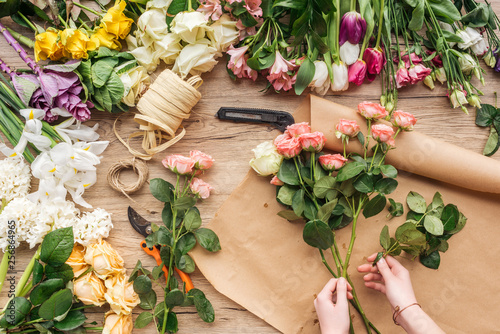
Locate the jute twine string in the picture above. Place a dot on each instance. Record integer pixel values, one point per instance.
(138, 166)
(162, 109)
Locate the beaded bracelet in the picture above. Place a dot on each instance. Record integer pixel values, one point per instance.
(398, 310)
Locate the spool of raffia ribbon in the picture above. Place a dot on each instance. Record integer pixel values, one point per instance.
(161, 110)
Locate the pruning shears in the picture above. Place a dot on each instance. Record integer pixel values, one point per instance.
(141, 225)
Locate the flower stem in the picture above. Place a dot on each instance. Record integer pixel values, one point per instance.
(17, 47)
(27, 273)
(63, 21)
(380, 21)
(28, 22)
(21, 38)
(326, 263)
(4, 267)
(87, 8)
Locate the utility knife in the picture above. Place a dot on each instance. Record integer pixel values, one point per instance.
(278, 119)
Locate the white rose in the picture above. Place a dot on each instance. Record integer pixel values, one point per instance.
(151, 26)
(340, 77)
(441, 75)
(320, 82)
(349, 53)
(195, 59)
(267, 160)
(135, 81)
(225, 33)
(168, 48)
(190, 26)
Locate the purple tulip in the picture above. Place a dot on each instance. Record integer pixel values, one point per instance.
(497, 65)
(352, 28)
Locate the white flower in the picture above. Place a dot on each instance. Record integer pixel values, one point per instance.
(467, 63)
(458, 98)
(15, 178)
(135, 81)
(190, 26)
(449, 28)
(92, 226)
(151, 27)
(168, 48)
(267, 160)
(195, 58)
(225, 33)
(469, 37)
(480, 48)
(321, 81)
(71, 132)
(441, 75)
(349, 53)
(146, 57)
(340, 77)
(32, 132)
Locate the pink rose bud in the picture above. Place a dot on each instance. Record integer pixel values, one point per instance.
(200, 188)
(404, 120)
(352, 28)
(347, 127)
(287, 146)
(202, 161)
(371, 110)
(357, 72)
(332, 162)
(277, 182)
(402, 76)
(297, 129)
(179, 164)
(312, 142)
(382, 133)
(375, 60)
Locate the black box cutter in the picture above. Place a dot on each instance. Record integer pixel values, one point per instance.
(278, 119)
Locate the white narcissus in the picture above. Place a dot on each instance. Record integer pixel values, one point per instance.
(195, 59)
(72, 130)
(320, 82)
(32, 132)
(349, 53)
(340, 77)
(135, 81)
(267, 160)
(225, 33)
(190, 26)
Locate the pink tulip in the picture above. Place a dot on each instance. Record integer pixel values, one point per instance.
(352, 28)
(375, 60)
(357, 72)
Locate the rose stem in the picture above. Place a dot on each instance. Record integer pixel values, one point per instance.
(21, 38)
(22, 53)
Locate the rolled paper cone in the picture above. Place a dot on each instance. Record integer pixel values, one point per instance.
(415, 152)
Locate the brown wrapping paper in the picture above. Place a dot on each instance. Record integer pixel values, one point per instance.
(266, 267)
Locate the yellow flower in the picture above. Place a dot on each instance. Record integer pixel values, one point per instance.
(90, 290)
(102, 38)
(117, 324)
(117, 23)
(120, 294)
(76, 260)
(76, 43)
(104, 259)
(48, 45)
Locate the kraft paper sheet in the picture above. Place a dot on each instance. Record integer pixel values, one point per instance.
(266, 267)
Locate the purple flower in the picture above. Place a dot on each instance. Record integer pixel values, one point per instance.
(352, 28)
(497, 65)
(375, 60)
(74, 105)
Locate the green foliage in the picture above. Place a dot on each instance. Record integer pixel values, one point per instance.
(489, 116)
(57, 246)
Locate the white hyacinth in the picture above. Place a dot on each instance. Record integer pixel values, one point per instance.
(92, 226)
(15, 178)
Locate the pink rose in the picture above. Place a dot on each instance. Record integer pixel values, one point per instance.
(179, 164)
(332, 162)
(287, 146)
(347, 127)
(312, 142)
(418, 73)
(297, 129)
(201, 160)
(200, 188)
(372, 110)
(382, 133)
(277, 182)
(404, 120)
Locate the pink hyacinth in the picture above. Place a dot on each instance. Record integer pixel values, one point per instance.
(357, 72)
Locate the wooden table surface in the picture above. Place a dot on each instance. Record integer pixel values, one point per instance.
(230, 145)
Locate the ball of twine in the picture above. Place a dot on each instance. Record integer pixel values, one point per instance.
(138, 166)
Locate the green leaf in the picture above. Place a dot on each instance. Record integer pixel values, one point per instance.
(135, 271)
(16, 310)
(44, 290)
(299, 5)
(386, 186)
(177, 6)
(318, 234)
(73, 319)
(37, 272)
(389, 171)
(101, 71)
(186, 243)
(208, 239)
(395, 208)
(433, 225)
(174, 298)
(172, 323)
(298, 203)
(58, 304)
(192, 220)
(288, 215)
(323, 185)
(409, 235)
(288, 173)
(485, 115)
(304, 75)
(161, 190)
(66, 67)
(184, 203)
(203, 305)
(163, 237)
(310, 210)
(65, 272)
(143, 320)
(478, 17)
(492, 144)
(267, 8)
(416, 202)
(115, 87)
(445, 9)
(157, 271)
(185, 263)
(350, 170)
(142, 284)
(432, 260)
(450, 217)
(9, 7)
(148, 300)
(165, 254)
(285, 194)
(417, 16)
(462, 220)
(363, 184)
(57, 246)
(326, 210)
(385, 238)
(375, 206)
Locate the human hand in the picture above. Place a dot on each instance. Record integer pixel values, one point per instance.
(390, 278)
(332, 307)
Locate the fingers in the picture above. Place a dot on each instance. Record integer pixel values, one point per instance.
(376, 286)
(374, 277)
(327, 291)
(372, 257)
(342, 287)
(367, 268)
(384, 269)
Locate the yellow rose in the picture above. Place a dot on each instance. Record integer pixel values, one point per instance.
(102, 38)
(117, 324)
(104, 259)
(76, 260)
(48, 45)
(76, 44)
(120, 294)
(90, 289)
(117, 23)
